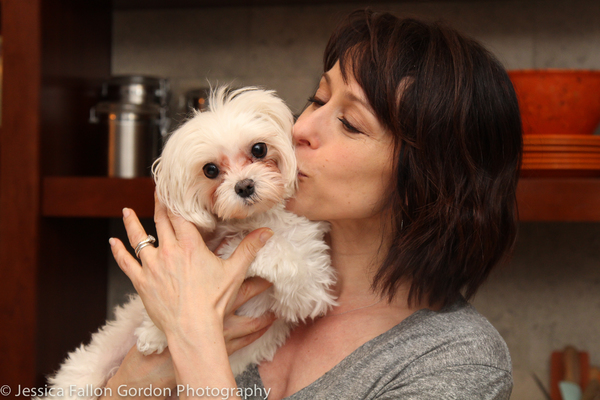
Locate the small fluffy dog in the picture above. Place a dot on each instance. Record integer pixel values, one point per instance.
(228, 170)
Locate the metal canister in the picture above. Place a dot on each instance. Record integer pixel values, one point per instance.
(132, 89)
(133, 115)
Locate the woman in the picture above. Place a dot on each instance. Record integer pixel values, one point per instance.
(410, 149)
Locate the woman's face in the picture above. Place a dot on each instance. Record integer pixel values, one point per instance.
(344, 154)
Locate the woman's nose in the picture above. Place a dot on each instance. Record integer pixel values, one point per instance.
(304, 133)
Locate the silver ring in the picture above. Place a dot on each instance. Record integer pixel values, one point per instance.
(150, 240)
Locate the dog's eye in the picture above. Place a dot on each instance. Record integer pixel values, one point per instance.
(211, 171)
(259, 150)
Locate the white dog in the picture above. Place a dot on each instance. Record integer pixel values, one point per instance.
(228, 170)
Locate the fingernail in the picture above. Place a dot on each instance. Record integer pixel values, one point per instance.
(266, 235)
(112, 242)
(126, 212)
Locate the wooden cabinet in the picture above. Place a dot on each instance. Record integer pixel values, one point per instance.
(52, 270)
(54, 204)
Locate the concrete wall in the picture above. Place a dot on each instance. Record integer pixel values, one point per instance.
(549, 295)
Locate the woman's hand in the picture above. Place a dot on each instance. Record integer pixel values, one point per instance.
(156, 370)
(139, 372)
(190, 293)
(182, 281)
(240, 331)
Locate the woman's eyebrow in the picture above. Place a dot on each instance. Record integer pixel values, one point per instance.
(351, 96)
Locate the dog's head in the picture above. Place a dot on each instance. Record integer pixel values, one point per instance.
(232, 161)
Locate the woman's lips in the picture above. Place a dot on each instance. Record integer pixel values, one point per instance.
(302, 175)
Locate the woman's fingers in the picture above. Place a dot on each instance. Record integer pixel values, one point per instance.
(246, 251)
(223, 243)
(174, 227)
(185, 231)
(250, 288)
(240, 331)
(136, 232)
(125, 260)
(164, 229)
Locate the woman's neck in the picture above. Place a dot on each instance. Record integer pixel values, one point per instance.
(357, 251)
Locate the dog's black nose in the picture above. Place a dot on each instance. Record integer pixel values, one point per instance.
(245, 188)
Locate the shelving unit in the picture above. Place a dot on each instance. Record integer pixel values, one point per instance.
(539, 199)
(559, 199)
(53, 270)
(54, 205)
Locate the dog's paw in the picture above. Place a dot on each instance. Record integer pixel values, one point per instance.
(150, 340)
(150, 348)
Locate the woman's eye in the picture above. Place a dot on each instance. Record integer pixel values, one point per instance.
(259, 150)
(316, 101)
(348, 126)
(211, 171)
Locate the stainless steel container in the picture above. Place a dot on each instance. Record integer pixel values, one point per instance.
(136, 90)
(133, 116)
(133, 138)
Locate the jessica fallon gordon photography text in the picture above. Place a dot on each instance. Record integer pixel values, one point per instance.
(150, 391)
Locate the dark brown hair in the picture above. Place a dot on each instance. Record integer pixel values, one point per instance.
(457, 129)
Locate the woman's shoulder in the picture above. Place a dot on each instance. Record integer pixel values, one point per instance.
(456, 335)
(451, 353)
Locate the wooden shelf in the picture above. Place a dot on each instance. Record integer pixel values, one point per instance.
(96, 196)
(559, 199)
(540, 199)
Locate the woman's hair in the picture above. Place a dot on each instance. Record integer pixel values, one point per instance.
(457, 134)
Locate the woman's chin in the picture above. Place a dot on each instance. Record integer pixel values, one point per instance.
(293, 205)
(290, 205)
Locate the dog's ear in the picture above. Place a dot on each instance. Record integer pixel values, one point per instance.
(178, 191)
(275, 110)
(271, 108)
(265, 104)
(289, 169)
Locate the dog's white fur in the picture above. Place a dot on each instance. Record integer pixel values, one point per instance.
(295, 259)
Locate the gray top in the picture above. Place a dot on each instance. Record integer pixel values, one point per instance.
(451, 354)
